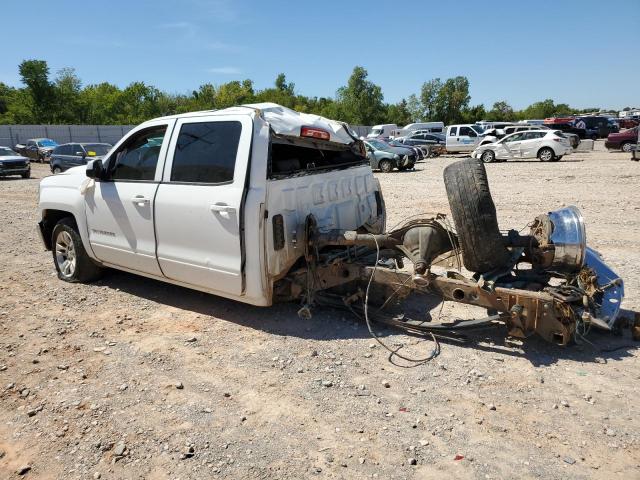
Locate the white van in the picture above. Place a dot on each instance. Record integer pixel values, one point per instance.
(384, 130)
(463, 138)
(430, 127)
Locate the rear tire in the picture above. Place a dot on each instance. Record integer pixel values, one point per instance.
(557, 158)
(69, 256)
(474, 215)
(385, 166)
(546, 154)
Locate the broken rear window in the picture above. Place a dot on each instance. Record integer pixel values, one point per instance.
(294, 156)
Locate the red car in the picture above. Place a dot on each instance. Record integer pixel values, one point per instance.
(624, 140)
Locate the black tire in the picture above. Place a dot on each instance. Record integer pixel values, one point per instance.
(488, 156)
(474, 215)
(626, 147)
(545, 154)
(80, 268)
(56, 170)
(594, 137)
(557, 158)
(26, 174)
(385, 166)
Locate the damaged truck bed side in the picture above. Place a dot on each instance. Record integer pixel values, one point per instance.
(262, 204)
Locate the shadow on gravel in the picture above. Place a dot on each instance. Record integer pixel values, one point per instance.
(334, 324)
(279, 319)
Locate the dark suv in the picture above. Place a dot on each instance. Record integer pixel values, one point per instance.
(74, 154)
(13, 164)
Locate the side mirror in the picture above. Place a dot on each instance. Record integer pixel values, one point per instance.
(95, 169)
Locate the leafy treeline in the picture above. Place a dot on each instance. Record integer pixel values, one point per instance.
(64, 100)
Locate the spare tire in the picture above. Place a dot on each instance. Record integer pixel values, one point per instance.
(474, 215)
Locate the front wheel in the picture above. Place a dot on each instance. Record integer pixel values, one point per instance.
(26, 174)
(488, 156)
(69, 256)
(546, 154)
(385, 166)
(56, 170)
(627, 147)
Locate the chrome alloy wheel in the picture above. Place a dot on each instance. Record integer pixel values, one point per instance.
(65, 254)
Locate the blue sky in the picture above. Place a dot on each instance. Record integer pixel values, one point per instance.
(581, 52)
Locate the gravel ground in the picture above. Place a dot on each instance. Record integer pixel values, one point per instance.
(132, 378)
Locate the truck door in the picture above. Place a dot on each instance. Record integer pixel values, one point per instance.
(467, 138)
(198, 208)
(120, 209)
(452, 142)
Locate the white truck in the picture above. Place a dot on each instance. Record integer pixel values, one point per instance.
(262, 204)
(463, 138)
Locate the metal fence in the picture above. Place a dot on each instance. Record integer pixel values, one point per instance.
(10, 135)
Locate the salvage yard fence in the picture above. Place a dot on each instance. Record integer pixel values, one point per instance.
(10, 135)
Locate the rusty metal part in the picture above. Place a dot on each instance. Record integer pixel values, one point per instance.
(529, 312)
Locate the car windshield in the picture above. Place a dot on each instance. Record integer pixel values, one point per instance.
(97, 149)
(559, 133)
(378, 145)
(47, 142)
(376, 131)
(7, 152)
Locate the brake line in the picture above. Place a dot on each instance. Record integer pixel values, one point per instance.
(416, 361)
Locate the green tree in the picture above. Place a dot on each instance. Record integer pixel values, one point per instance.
(474, 114)
(451, 100)
(399, 113)
(429, 94)
(35, 75)
(502, 112)
(234, 93)
(360, 101)
(67, 105)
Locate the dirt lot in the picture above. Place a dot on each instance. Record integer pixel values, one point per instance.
(131, 378)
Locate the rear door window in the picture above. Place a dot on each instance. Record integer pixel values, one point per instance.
(206, 152)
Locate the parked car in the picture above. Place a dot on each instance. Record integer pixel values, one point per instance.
(13, 164)
(37, 148)
(383, 131)
(568, 128)
(422, 138)
(417, 150)
(596, 126)
(430, 127)
(547, 145)
(385, 158)
(70, 155)
(463, 138)
(624, 140)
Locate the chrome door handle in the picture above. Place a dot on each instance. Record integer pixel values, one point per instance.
(140, 200)
(222, 209)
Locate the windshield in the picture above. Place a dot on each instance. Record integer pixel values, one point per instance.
(376, 131)
(7, 152)
(47, 142)
(97, 149)
(378, 145)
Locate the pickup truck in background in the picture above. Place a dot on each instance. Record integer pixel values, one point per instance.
(38, 149)
(463, 138)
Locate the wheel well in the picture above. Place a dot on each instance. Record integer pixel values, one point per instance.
(49, 220)
(545, 148)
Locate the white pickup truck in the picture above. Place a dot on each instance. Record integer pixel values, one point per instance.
(261, 204)
(214, 201)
